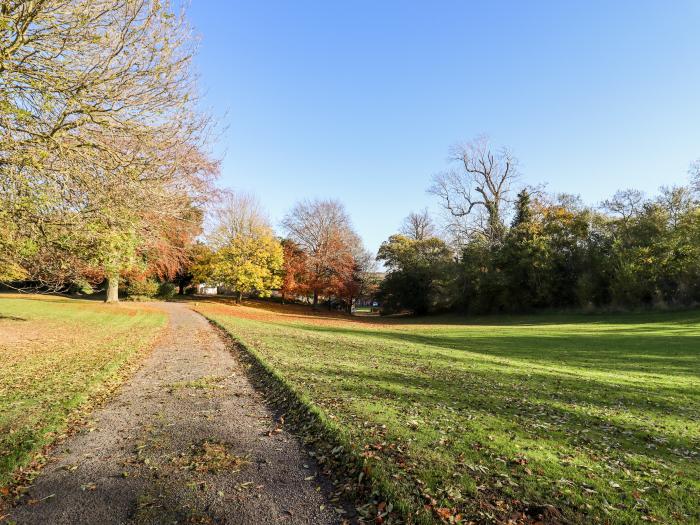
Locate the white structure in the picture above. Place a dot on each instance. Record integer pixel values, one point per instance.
(207, 289)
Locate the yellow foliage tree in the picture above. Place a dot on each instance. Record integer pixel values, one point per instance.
(249, 264)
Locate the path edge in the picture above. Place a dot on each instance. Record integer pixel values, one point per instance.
(22, 478)
(338, 458)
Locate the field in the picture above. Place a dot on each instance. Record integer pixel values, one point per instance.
(589, 418)
(56, 355)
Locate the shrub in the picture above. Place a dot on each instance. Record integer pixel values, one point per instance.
(142, 288)
(166, 290)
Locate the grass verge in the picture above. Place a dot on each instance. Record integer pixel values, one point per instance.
(578, 418)
(60, 357)
(332, 447)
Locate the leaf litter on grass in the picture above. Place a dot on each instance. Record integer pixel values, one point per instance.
(558, 417)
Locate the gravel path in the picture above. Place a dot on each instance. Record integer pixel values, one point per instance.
(186, 440)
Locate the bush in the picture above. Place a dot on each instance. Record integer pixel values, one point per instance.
(142, 288)
(166, 290)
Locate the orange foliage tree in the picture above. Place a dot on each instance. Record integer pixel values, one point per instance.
(294, 271)
(322, 231)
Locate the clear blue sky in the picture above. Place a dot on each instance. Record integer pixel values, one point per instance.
(360, 100)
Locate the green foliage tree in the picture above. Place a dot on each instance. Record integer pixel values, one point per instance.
(418, 274)
(520, 258)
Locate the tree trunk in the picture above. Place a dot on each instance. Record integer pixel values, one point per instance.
(181, 288)
(112, 289)
(315, 299)
(240, 297)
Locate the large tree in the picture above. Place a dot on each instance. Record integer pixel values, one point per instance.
(418, 272)
(101, 148)
(476, 193)
(294, 271)
(247, 256)
(322, 229)
(418, 225)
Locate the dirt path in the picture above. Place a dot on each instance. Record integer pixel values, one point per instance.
(187, 440)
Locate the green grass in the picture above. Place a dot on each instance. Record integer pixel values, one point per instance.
(598, 416)
(57, 354)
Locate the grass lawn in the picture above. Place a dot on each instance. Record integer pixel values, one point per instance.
(589, 419)
(56, 354)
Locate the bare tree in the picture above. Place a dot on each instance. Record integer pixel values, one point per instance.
(694, 173)
(625, 203)
(677, 201)
(475, 194)
(237, 214)
(418, 225)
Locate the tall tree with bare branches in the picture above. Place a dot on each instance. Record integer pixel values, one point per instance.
(418, 225)
(476, 192)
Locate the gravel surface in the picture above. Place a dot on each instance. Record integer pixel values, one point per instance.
(186, 440)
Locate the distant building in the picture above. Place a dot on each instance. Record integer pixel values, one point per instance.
(207, 289)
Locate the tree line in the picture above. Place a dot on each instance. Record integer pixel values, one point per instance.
(511, 248)
(106, 179)
(320, 258)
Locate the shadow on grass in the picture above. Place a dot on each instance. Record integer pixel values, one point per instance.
(11, 317)
(567, 406)
(633, 349)
(306, 312)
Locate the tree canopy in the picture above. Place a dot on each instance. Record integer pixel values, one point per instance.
(103, 164)
(246, 256)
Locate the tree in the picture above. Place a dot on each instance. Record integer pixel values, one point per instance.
(100, 140)
(625, 203)
(476, 193)
(523, 210)
(249, 264)
(518, 258)
(418, 226)
(9, 246)
(293, 271)
(78, 73)
(358, 278)
(187, 273)
(247, 256)
(694, 173)
(417, 273)
(237, 214)
(677, 201)
(322, 230)
(365, 275)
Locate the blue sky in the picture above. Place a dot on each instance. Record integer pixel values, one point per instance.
(361, 100)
